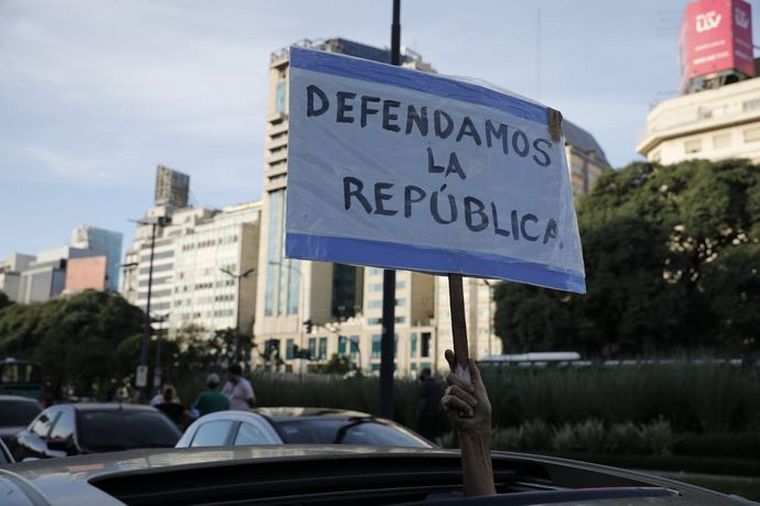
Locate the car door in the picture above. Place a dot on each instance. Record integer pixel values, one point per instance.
(32, 442)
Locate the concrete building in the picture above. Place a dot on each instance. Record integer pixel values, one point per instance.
(713, 124)
(330, 297)
(586, 160)
(10, 273)
(193, 248)
(45, 277)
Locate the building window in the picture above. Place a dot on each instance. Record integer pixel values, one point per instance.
(693, 146)
(752, 135)
(413, 351)
(425, 348)
(722, 141)
(354, 346)
(279, 101)
(289, 346)
(322, 348)
(376, 346)
(751, 105)
(312, 347)
(342, 345)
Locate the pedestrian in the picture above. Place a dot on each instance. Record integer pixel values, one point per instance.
(211, 399)
(172, 408)
(431, 392)
(238, 389)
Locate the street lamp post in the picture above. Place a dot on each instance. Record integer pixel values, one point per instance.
(157, 376)
(160, 221)
(238, 279)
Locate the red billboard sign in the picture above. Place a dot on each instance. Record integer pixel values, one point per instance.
(716, 36)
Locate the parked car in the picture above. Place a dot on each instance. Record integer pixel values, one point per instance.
(268, 426)
(5, 454)
(71, 429)
(329, 474)
(16, 413)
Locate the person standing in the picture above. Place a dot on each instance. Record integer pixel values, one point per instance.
(239, 390)
(172, 408)
(431, 392)
(211, 399)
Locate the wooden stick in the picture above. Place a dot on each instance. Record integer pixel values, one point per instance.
(458, 324)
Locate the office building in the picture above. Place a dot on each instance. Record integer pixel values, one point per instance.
(197, 255)
(335, 300)
(89, 273)
(10, 273)
(105, 242)
(717, 114)
(586, 160)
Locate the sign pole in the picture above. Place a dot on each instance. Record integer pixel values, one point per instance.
(388, 339)
(458, 323)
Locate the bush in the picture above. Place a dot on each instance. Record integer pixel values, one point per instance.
(536, 436)
(625, 438)
(565, 439)
(657, 437)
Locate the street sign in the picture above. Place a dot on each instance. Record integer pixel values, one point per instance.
(141, 376)
(396, 168)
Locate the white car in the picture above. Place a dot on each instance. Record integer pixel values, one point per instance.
(275, 426)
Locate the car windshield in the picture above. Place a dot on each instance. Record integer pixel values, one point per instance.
(17, 413)
(359, 431)
(124, 429)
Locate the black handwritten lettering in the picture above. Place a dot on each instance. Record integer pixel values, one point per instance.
(421, 120)
(389, 116)
(381, 197)
(495, 218)
(409, 200)
(468, 128)
(366, 111)
(432, 167)
(501, 133)
(544, 159)
(356, 191)
(532, 218)
(436, 212)
(343, 107)
(440, 130)
(551, 230)
(469, 212)
(311, 92)
(520, 143)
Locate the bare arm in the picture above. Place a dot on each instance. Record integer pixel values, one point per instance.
(467, 405)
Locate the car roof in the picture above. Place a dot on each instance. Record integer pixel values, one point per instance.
(289, 413)
(18, 398)
(106, 406)
(147, 476)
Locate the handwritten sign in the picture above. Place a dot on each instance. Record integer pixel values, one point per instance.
(396, 168)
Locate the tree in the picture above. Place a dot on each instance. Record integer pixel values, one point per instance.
(4, 300)
(671, 256)
(75, 338)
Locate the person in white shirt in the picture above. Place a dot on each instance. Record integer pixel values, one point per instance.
(239, 390)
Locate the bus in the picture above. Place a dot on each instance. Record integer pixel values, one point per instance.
(21, 377)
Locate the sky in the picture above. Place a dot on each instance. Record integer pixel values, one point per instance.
(94, 94)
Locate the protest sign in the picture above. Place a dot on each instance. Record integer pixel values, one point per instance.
(396, 168)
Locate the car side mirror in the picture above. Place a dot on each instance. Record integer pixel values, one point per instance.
(61, 445)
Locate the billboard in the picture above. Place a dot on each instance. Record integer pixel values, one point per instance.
(391, 167)
(716, 36)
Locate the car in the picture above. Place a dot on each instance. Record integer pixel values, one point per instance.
(16, 412)
(71, 429)
(268, 426)
(330, 474)
(5, 454)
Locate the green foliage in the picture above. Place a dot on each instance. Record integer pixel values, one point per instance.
(74, 338)
(625, 438)
(4, 300)
(671, 256)
(337, 364)
(657, 437)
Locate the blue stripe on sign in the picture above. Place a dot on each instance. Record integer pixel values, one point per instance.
(356, 68)
(426, 259)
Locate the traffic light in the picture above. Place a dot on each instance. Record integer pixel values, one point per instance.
(309, 326)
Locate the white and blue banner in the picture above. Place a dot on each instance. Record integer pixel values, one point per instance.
(396, 168)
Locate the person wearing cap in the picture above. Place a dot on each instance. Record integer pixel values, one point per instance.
(239, 390)
(211, 399)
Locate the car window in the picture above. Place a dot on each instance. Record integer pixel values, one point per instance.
(250, 435)
(213, 433)
(64, 426)
(118, 429)
(42, 425)
(18, 413)
(346, 431)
